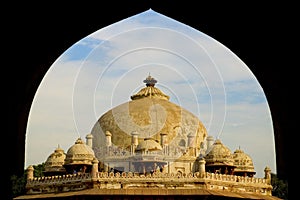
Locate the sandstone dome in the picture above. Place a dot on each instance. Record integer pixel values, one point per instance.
(79, 153)
(55, 161)
(149, 114)
(148, 144)
(243, 162)
(219, 155)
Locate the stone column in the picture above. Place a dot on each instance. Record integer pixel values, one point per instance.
(191, 140)
(163, 139)
(106, 167)
(191, 144)
(202, 167)
(268, 174)
(268, 179)
(134, 138)
(89, 140)
(108, 138)
(94, 169)
(134, 141)
(30, 170)
(164, 143)
(210, 142)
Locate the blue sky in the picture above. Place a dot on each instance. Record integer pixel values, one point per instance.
(106, 67)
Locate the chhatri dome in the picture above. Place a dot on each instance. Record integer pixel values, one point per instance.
(149, 144)
(244, 164)
(148, 114)
(80, 155)
(55, 161)
(219, 159)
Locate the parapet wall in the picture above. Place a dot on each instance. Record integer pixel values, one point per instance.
(131, 180)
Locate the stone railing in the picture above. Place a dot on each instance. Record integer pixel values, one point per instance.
(190, 177)
(51, 180)
(234, 178)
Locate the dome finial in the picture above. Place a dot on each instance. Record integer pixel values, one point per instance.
(150, 90)
(150, 81)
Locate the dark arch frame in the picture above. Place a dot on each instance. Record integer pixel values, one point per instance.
(39, 35)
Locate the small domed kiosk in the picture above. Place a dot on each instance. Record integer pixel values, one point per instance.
(54, 163)
(243, 163)
(79, 157)
(219, 159)
(149, 158)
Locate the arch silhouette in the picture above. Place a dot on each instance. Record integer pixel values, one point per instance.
(43, 39)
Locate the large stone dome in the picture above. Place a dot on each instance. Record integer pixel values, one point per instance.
(149, 113)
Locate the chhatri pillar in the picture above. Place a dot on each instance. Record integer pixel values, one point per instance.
(30, 170)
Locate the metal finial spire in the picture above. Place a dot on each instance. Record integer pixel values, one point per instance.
(150, 90)
(150, 81)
